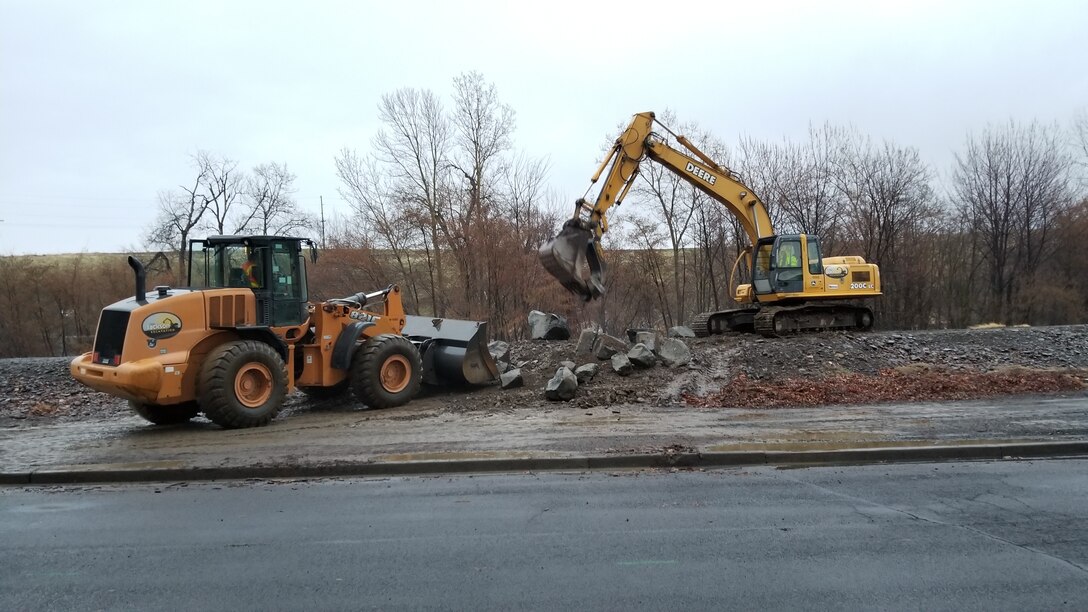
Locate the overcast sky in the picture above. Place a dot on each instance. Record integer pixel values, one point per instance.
(102, 104)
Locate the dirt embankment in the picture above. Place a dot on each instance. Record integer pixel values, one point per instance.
(730, 370)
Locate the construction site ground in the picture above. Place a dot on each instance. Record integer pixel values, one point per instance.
(739, 394)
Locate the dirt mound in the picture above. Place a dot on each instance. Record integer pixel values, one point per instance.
(728, 370)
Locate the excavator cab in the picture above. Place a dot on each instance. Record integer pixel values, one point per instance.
(780, 262)
(575, 259)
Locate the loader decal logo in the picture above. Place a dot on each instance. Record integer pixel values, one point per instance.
(161, 325)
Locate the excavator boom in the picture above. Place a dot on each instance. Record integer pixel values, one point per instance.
(575, 257)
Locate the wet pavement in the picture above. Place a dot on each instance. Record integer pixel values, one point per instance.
(422, 432)
(1001, 535)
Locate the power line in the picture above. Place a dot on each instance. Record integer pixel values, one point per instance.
(76, 225)
(72, 198)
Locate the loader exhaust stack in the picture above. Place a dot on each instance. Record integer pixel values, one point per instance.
(141, 279)
(573, 257)
(454, 352)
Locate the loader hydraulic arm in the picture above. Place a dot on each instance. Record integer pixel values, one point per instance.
(562, 256)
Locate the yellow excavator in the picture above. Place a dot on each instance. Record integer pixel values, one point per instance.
(793, 288)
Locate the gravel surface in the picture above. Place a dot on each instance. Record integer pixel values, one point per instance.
(36, 391)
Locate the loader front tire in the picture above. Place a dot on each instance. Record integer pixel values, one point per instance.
(242, 384)
(386, 371)
(165, 415)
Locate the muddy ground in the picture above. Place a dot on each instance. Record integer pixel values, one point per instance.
(732, 370)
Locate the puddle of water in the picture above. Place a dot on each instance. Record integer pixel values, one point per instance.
(838, 445)
(134, 465)
(452, 456)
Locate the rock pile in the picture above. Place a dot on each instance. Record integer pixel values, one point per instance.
(645, 350)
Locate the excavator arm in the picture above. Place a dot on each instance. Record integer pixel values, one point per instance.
(575, 256)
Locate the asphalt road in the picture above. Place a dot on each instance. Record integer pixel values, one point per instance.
(984, 536)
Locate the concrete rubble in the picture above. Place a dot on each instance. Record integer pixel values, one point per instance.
(621, 364)
(605, 346)
(562, 386)
(548, 326)
(673, 352)
(586, 340)
(586, 372)
(680, 331)
(649, 339)
(641, 356)
(511, 379)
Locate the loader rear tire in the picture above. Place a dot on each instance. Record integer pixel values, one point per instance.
(165, 415)
(242, 384)
(386, 371)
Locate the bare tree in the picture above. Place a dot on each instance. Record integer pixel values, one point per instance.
(483, 128)
(763, 167)
(415, 147)
(798, 181)
(673, 202)
(268, 199)
(888, 190)
(1080, 146)
(1013, 183)
(223, 187)
(380, 214)
(523, 200)
(180, 212)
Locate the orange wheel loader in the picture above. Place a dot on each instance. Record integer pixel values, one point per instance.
(243, 334)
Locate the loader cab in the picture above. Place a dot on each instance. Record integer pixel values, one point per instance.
(781, 262)
(273, 267)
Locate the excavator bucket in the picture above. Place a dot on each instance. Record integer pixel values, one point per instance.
(574, 259)
(454, 352)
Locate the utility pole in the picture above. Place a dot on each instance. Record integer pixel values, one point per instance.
(322, 198)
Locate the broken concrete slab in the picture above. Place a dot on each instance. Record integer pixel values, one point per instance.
(585, 342)
(621, 364)
(562, 386)
(606, 346)
(586, 373)
(548, 326)
(642, 356)
(511, 379)
(681, 331)
(674, 352)
(500, 351)
(648, 338)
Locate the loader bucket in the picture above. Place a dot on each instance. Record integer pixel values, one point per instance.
(574, 259)
(454, 352)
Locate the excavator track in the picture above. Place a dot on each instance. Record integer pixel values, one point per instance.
(721, 321)
(774, 321)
